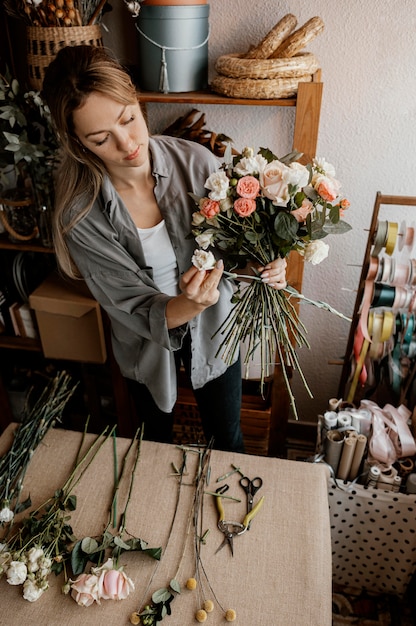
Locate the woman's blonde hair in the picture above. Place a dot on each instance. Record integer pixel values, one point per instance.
(71, 77)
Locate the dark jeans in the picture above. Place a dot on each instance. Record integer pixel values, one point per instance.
(219, 405)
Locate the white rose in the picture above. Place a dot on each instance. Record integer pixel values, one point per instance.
(203, 260)
(197, 218)
(31, 592)
(34, 554)
(274, 182)
(6, 515)
(316, 251)
(218, 184)
(247, 166)
(16, 573)
(298, 175)
(205, 240)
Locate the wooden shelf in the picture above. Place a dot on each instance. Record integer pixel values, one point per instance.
(210, 97)
(20, 343)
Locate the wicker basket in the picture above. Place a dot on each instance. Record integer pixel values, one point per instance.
(258, 89)
(19, 218)
(237, 66)
(43, 44)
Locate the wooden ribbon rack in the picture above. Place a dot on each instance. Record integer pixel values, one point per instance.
(380, 359)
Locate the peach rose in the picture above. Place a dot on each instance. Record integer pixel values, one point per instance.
(274, 181)
(303, 211)
(209, 208)
(248, 187)
(244, 207)
(327, 187)
(84, 589)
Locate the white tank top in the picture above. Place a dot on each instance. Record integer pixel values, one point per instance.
(160, 256)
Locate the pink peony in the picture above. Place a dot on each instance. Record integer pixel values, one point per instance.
(244, 207)
(248, 187)
(84, 589)
(209, 208)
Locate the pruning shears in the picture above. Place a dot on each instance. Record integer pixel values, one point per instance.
(233, 529)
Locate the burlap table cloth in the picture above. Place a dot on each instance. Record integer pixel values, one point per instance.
(281, 570)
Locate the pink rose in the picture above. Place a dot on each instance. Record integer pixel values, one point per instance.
(114, 584)
(248, 187)
(244, 207)
(84, 589)
(303, 211)
(274, 180)
(209, 208)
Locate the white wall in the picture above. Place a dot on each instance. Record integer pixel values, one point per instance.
(368, 58)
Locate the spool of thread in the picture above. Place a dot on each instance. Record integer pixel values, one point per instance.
(333, 404)
(344, 419)
(330, 420)
(347, 456)
(373, 476)
(387, 477)
(397, 483)
(333, 448)
(411, 483)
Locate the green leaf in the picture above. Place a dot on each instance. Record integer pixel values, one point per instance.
(285, 226)
(89, 545)
(120, 543)
(336, 229)
(155, 553)
(22, 506)
(79, 559)
(71, 503)
(174, 585)
(161, 595)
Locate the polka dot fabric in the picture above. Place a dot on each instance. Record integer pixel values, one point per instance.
(373, 536)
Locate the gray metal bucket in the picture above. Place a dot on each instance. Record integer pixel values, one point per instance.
(173, 48)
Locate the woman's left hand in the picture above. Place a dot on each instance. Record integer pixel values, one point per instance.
(274, 273)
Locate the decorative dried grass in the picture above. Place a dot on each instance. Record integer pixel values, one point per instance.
(299, 39)
(258, 89)
(238, 66)
(274, 38)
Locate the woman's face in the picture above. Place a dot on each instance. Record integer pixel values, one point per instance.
(115, 132)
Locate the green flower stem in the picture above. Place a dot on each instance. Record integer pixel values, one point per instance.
(138, 437)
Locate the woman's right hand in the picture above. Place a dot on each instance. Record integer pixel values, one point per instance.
(199, 290)
(201, 286)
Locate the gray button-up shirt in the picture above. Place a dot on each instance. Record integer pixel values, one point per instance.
(106, 248)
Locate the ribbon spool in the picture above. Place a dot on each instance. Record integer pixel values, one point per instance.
(385, 237)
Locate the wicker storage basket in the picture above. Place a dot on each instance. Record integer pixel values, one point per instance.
(237, 66)
(43, 44)
(258, 89)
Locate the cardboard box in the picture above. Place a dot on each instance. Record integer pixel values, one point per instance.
(69, 321)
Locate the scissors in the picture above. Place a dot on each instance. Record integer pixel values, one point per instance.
(233, 529)
(251, 487)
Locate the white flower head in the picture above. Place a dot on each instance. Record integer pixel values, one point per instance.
(31, 590)
(205, 239)
(218, 185)
(321, 165)
(316, 251)
(298, 175)
(250, 165)
(6, 515)
(203, 260)
(16, 573)
(197, 218)
(34, 554)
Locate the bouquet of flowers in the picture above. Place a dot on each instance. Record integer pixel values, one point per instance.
(258, 208)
